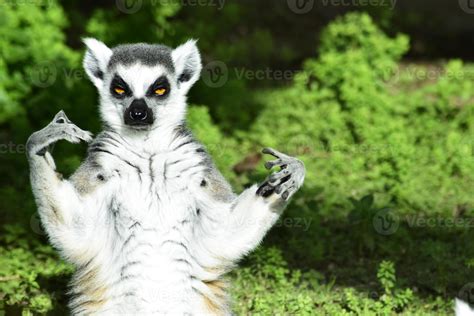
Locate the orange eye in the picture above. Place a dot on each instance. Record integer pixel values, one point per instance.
(119, 90)
(160, 91)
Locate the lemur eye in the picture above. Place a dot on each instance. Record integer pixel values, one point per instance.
(160, 88)
(160, 91)
(119, 90)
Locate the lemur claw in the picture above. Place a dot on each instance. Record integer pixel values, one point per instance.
(286, 181)
(61, 117)
(59, 128)
(274, 153)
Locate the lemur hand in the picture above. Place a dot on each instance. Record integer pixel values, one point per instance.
(59, 128)
(286, 181)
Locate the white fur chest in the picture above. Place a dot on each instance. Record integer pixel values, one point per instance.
(145, 257)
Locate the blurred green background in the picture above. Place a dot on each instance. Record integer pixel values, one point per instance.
(377, 98)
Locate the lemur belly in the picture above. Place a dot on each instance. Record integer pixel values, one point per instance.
(154, 262)
(147, 265)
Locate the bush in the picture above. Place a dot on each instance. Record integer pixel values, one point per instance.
(25, 265)
(358, 136)
(33, 53)
(269, 286)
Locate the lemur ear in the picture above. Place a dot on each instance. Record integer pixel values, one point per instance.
(187, 62)
(95, 60)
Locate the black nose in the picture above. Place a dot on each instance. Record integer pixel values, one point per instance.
(138, 113)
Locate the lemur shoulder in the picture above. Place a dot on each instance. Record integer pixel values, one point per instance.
(148, 221)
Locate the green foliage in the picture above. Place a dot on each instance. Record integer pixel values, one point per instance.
(357, 136)
(32, 39)
(393, 298)
(112, 29)
(355, 37)
(223, 149)
(361, 218)
(439, 133)
(385, 148)
(24, 263)
(269, 286)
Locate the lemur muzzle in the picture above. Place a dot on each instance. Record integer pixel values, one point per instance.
(138, 114)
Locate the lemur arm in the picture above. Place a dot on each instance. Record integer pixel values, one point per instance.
(236, 227)
(59, 204)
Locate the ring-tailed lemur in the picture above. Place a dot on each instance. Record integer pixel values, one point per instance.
(149, 222)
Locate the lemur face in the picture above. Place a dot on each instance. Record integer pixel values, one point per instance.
(138, 89)
(142, 85)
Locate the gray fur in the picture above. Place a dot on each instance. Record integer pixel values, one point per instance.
(214, 181)
(87, 177)
(147, 54)
(218, 186)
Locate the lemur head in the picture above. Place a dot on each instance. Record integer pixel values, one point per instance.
(142, 85)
